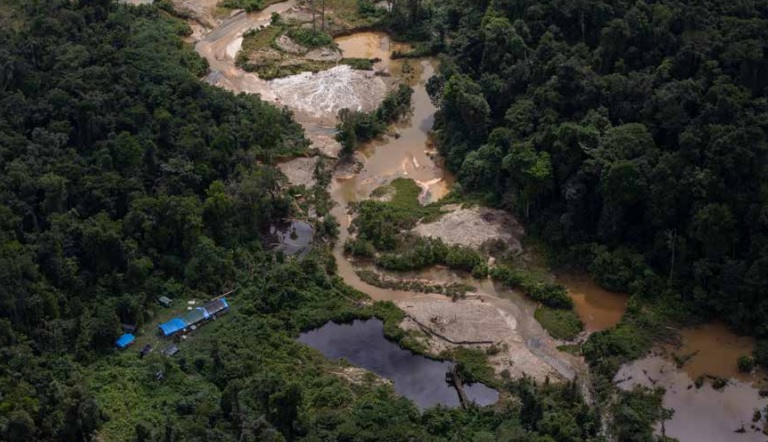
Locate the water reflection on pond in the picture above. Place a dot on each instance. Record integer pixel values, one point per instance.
(701, 414)
(420, 379)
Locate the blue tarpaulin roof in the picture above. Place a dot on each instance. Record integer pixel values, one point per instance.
(125, 340)
(173, 326)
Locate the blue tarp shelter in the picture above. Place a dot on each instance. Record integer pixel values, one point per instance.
(173, 326)
(125, 340)
(196, 315)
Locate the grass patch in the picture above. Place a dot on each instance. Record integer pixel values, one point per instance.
(560, 324)
(248, 5)
(273, 67)
(361, 64)
(472, 365)
(257, 39)
(381, 222)
(269, 71)
(454, 290)
(350, 12)
(310, 38)
(574, 349)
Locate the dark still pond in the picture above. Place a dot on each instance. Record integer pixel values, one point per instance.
(293, 238)
(422, 380)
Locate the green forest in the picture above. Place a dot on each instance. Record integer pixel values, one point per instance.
(628, 136)
(124, 177)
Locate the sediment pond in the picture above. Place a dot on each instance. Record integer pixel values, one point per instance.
(598, 308)
(703, 414)
(422, 380)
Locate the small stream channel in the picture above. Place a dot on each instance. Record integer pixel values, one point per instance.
(420, 379)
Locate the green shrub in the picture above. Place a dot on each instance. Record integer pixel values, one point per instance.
(551, 295)
(248, 5)
(361, 64)
(368, 9)
(311, 38)
(561, 324)
(746, 364)
(359, 247)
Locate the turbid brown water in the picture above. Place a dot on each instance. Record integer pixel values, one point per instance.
(705, 414)
(598, 308)
(701, 415)
(715, 351)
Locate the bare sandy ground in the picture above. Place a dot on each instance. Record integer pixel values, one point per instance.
(475, 227)
(300, 171)
(203, 11)
(481, 324)
(315, 99)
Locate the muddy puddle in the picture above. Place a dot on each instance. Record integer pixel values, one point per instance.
(598, 308)
(422, 380)
(376, 45)
(294, 238)
(703, 414)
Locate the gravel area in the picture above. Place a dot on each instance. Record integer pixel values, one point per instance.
(475, 227)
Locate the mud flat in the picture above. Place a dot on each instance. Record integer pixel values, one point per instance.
(704, 414)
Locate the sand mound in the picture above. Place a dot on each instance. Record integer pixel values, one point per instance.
(474, 227)
(323, 94)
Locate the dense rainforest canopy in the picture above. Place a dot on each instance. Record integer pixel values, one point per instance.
(123, 177)
(633, 133)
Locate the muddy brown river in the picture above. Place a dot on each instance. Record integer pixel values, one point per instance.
(701, 415)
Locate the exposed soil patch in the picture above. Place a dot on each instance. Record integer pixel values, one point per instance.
(285, 43)
(360, 376)
(323, 54)
(205, 12)
(300, 171)
(324, 94)
(475, 227)
(479, 324)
